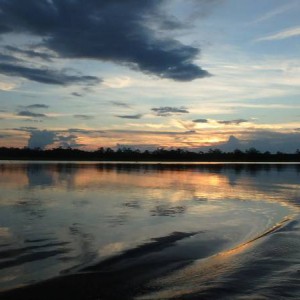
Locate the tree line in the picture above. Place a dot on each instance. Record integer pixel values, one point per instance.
(160, 154)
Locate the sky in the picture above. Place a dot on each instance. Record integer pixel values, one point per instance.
(191, 74)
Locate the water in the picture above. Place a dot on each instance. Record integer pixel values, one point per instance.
(149, 231)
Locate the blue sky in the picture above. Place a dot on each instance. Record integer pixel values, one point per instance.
(190, 74)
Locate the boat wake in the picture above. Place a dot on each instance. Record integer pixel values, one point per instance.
(169, 267)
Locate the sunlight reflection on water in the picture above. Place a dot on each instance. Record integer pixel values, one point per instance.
(61, 217)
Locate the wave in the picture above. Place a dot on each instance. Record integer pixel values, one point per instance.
(166, 268)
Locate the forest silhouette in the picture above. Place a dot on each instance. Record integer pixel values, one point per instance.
(160, 154)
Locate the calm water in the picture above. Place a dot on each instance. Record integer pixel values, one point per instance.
(149, 231)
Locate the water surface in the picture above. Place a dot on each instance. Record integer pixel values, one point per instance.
(149, 231)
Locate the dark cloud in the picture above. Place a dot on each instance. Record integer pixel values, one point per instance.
(168, 111)
(200, 121)
(190, 132)
(233, 122)
(26, 128)
(232, 144)
(83, 117)
(121, 104)
(137, 116)
(3, 28)
(84, 131)
(30, 53)
(263, 141)
(171, 23)
(26, 113)
(76, 94)
(46, 76)
(41, 138)
(7, 58)
(32, 120)
(69, 141)
(202, 8)
(78, 130)
(36, 106)
(116, 31)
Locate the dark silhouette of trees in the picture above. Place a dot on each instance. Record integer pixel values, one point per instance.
(160, 154)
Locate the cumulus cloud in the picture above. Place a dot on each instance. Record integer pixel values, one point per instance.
(26, 113)
(200, 121)
(168, 111)
(41, 138)
(46, 76)
(83, 117)
(137, 116)
(116, 31)
(263, 141)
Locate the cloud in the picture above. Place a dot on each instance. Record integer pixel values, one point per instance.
(115, 31)
(200, 121)
(83, 117)
(46, 76)
(32, 120)
(168, 111)
(69, 141)
(275, 12)
(121, 104)
(267, 140)
(36, 106)
(233, 122)
(263, 141)
(147, 132)
(137, 116)
(284, 34)
(7, 58)
(26, 128)
(76, 94)
(41, 139)
(79, 130)
(7, 86)
(26, 113)
(30, 53)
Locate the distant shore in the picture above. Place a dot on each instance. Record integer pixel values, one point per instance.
(158, 155)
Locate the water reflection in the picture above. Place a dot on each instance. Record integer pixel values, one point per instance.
(165, 210)
(61, 217)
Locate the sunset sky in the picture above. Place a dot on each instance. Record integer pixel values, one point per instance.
(194, 74)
